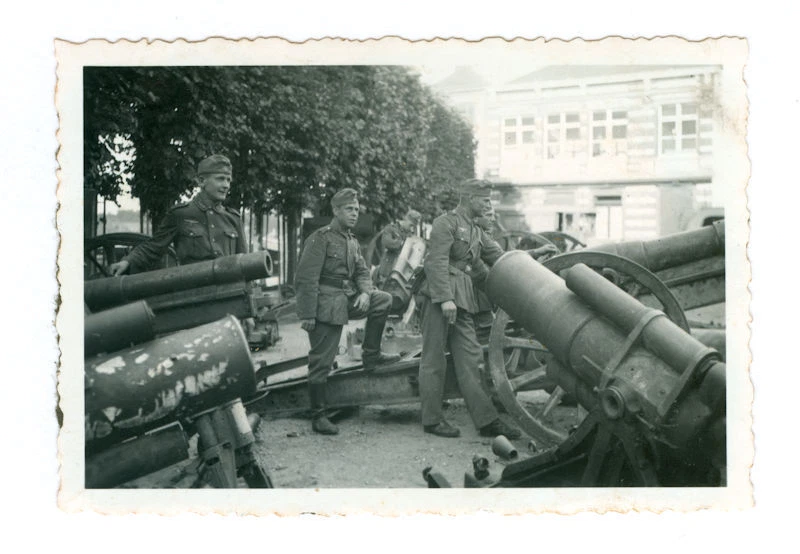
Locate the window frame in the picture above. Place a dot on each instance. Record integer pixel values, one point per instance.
(562, 127)
(679, 119)
(620, 145)
(519, 128)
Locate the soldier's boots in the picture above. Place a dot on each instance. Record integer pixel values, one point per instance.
(499, 427)
(324, 426)
(320, 423)
(373, 360)
(442, 429)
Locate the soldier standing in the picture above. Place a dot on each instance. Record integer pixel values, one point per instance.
(202, 229)
(333, 285)
(449, 303)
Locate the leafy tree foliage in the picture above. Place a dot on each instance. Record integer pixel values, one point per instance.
(294, 134)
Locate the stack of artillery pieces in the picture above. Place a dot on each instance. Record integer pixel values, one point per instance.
(651, 393)
(166, 357)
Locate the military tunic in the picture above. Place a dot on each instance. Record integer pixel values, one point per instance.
(456, 245)
(391, 241)
(198, 229)
(330, 276)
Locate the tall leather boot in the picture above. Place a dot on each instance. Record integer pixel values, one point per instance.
(319, 421)
(371, 354)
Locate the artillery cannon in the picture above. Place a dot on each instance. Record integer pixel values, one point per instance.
(653, 394)
(189, 295)
(142, 402)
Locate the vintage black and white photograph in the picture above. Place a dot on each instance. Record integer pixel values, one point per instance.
(504, 266)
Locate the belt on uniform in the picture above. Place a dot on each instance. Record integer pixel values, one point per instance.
(334, 282)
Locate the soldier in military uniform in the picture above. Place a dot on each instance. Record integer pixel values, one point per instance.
(391, 242)
(333, 285)
(202, 229)
(449, 303)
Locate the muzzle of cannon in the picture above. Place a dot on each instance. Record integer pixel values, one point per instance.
(117, 328)
(100, 294)
(131, 391)
(655, 395)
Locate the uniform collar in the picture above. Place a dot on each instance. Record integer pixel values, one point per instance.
(202, 201)
(462, 212)
(345, 232)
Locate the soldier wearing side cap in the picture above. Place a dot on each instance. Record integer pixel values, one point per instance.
(449, 304)
(333, 285)
(201, 229)
(391, 239)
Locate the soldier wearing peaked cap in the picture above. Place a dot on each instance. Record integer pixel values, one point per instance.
(332, 286)
(449, 304)
(201, 229)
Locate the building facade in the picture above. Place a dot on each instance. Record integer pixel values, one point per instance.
(600, 152)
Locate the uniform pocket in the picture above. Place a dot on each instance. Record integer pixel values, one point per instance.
(232, 239)
(193, 241)
(336, 251)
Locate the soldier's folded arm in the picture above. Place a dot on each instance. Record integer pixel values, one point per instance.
(149, 252)
(307, 279)
(437, 262)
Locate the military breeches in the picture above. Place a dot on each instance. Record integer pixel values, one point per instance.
(325, 337)
(379, 304)
(437, 337)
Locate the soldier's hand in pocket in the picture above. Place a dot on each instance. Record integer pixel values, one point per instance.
(449, 311)
(362, 302)
(308, 324)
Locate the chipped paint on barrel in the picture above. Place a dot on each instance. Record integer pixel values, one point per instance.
(165, 380)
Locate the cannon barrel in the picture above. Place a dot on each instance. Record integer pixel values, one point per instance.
(672, 250)
(594, 340)
(116, 328)
(174, 377)
(135, 458)
(113, 291)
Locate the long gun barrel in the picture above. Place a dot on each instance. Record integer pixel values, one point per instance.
(672, 250)
(691, 264)
(100, 294)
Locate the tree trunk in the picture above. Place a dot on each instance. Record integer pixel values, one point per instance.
(292, 247)
(89, 213)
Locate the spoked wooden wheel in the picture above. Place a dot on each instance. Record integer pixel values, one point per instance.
(522, 240)
(518, 362)
(563, 241)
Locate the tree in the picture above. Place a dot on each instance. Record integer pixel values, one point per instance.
(294, 134)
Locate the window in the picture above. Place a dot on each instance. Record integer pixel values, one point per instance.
(609, 132)
(580, 225)
(564, 135)
(678, 127)
(519, 130)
